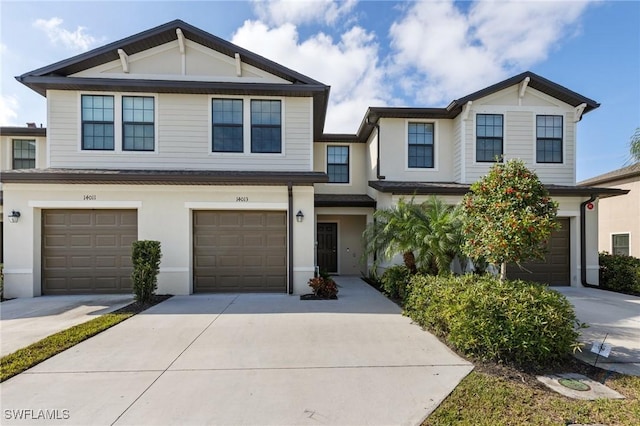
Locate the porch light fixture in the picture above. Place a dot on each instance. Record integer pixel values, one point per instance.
(299, 216)
(14, 216)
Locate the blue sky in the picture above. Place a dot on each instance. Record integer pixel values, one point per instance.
(372, 53)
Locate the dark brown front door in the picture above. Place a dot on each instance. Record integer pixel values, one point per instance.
(328, 247)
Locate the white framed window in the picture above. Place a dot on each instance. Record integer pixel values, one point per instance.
(420, 145)
(138, 123)
(620, 244)
(338, 163)
(266, 126)
(549, 139)
(98, 122)
(489, 137)
(24, 154)
(227, 125)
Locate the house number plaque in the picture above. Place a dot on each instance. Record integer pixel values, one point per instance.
(89, 197)
(242, 199)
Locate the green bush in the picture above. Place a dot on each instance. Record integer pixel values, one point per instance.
(514, 322)
(394, 281)
(145, 256)
(620, 273)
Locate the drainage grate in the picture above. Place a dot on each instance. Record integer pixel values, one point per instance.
(574, 384)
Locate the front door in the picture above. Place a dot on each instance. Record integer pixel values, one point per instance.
(328, 247)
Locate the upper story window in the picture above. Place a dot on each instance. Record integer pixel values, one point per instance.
(227, 125)
(97, 122)
(549, 139)
(338, 164)
(620, 244)
(138, 118)
(266, 126)
(420, 139)
(489, 137)
(24, 154)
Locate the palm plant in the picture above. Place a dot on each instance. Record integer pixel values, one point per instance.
(428, 234)
(634, 147)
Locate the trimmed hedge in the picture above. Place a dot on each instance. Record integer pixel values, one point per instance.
(145, 256)
(620, 273)
(515, 322)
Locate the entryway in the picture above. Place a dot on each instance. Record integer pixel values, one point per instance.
(327, 237)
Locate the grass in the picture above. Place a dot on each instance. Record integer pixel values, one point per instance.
(25, 358)
(486, 399)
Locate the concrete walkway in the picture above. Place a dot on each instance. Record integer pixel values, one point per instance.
(614, 316)
(248, 360)
(26, 320)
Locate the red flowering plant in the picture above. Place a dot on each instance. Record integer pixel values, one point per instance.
(508, 216)
(324, 286)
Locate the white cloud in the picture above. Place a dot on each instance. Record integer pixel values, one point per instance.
(349, 65)
(8, 107)
(73, 40)
(450, 53)
(279, 12)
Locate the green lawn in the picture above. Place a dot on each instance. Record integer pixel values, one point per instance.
(25, 358)
(486, 399)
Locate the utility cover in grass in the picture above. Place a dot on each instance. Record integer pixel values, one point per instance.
(596, 390)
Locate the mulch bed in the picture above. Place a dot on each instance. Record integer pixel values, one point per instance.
(137, 307)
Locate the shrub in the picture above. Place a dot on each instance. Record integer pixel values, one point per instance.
(620, 273)
(145, 256)
(324, 287)
(514, 322)
(394, 281)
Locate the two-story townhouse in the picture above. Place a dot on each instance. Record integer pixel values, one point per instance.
(176, 135)
(20, 148)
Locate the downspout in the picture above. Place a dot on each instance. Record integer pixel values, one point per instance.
(583, 242)
(290, 219)
(377, 126)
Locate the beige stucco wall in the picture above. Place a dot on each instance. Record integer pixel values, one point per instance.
(621, 215)
(357, 169)
(164, 214)
(183, 136)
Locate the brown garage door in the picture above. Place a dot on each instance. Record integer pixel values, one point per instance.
(87, 251)
(239, 251)
(555, 269)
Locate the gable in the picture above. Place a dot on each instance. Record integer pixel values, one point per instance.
(194, 62)
(531, 98)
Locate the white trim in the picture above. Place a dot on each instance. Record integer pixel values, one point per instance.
(216, 205)
(173, 269)
(18, 271)
(311, 136)
(474, 129)
(436, 149)
(304, 269)
(118, 124)
(535, 143)
(79, 204)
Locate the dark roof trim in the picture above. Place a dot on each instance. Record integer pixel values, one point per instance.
(161, 177)
(613, 176)
(438, 188)
(338, 137)
(344, 200)
(163, 34)
(23, 131)
(536, 82)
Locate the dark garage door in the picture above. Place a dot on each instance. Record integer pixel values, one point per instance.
(239, 251)
(555, 269)
(87, 251)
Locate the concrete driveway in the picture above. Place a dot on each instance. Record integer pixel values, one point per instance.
(613, 316)
(26, 320)
(247, 360)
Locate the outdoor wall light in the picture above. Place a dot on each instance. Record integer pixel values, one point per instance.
(299, 216)
(14, 216)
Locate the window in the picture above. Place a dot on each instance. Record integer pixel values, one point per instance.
(138, 123)
(227, 125)
(549, 139)
(97, 122)
(488, 137)
(24, 154)
(266, 129)
(420, 145)
(338, 164)
(620, 244)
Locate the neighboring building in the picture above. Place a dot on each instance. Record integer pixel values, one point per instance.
(176, 135)
(619, 217)
(20, 148)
